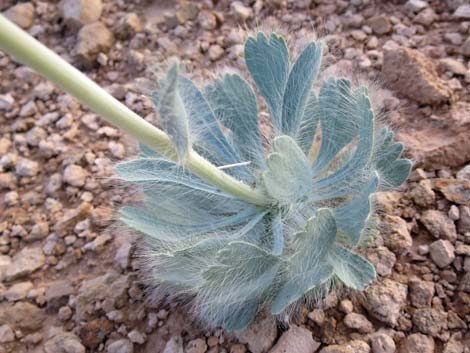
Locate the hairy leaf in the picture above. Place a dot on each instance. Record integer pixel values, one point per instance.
(352, 269)
(288, 177)
(238, 282)
(308, 267)
(352, 216)
(299, 86)
(267, 60)
(234, 104)
(173, 113)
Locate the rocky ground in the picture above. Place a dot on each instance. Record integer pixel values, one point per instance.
(68, 281)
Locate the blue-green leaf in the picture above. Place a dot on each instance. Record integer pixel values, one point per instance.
(288, 177)
(234, 104)
(173, 113)
(308, 124)
(308, 267)
(158, 227)
(338, 121)
(183, 268)
(351, 217)
(392, 170)
(268, 63)
(278, 234)
(243, 273)
(208, 138)
(299, 85)
(352, 269)
(340, 182)
(395, 174)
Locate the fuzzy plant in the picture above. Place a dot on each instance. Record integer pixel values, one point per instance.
(316, 173)
(237, 219)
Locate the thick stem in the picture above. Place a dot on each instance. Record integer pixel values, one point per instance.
(30, 52)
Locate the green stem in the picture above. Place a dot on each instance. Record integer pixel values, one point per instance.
(30, 52)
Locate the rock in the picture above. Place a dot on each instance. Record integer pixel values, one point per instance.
(94, 332)
(174, 345)
(421, 292)
(124, 247)
(22, 14)
(22, 315)
(110, 286)
(396, 234)
(358, 322)
(426, 17)
(465, 283)
(6, 102)
(240, 11)
(346, 306)
(416, 5)
(24, 263)
(439, 225)
(423, 194)
(414, 76)
(65, 313)
(417, 343)
(188, 11)
(77, 13)
(382, 343)
(383, 260)
(430, 321)
(17, 291)
(129, 25)
(463, 11)
(35, 136)
(64, 342)
(75, 175)
(6, 334)
(442, 253)
(196, 346)
(454, 213)
(454, 66)
(454, 38)
(207, 20)
(215, 52)
(136, 336)
(463, 225)
(380, 24)
(5, 263)
(465, 50)
(57, 294)
(454, 190)
(260, 336)
(296, 340)
(93, 38)
(433, 147)
(26, 168)
(384, 301)
(454, 345)
(464, 173)
(359, 346)
(235, 348)
(335, 348)
(121, 346)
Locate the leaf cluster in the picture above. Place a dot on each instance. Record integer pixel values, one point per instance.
(318, 174)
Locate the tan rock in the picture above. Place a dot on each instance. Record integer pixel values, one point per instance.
(414, 76)
(433, 144)
(93, 38)
(22, 14)
(22, 315)
(454, 190)
(77, 13)
(380, 24)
